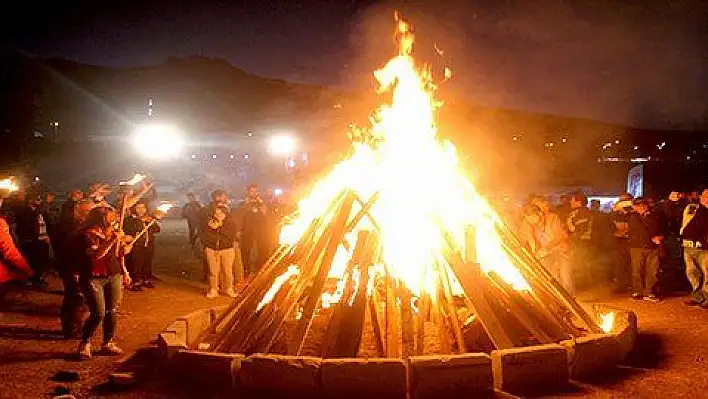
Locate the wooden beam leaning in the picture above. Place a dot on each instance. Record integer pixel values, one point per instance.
(315, 292)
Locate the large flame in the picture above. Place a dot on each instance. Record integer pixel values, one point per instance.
(420, 184)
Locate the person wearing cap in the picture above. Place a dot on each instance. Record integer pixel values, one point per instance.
(645, 241)
(694, 239)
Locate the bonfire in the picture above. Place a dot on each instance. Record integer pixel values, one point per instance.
(394, 253)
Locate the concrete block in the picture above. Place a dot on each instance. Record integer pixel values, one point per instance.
(196, 323)
(450, 375)
(593, 354)
(377, 377)
(281, 374)
(179, 327)
(530, 369)
(215, 370)
(169, 344)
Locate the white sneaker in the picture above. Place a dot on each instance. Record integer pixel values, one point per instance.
(230, 292)
(111, 349)
(84, 351)
(212, 294)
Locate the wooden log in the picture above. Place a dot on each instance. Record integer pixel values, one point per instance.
(544, 330)
(543, 277)
(242, 339)
(315, 292)
(444, 278)
(349, 335)
(376, 321)
(342, 311)
(393, 326)
(407, 332)
(472, 280)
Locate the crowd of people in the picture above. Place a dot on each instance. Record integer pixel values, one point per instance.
(98, 249)
(646, 247)
(236, 242)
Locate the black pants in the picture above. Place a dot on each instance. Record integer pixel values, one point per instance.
(71, 301)
(37, 254)
(254, 245)
(140, 262)
(192, 229)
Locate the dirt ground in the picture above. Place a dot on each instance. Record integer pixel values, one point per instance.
(669, 360)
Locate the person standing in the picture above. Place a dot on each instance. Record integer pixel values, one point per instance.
(141, 259)
(67, 262)
(694, 239)
(580, 225)
(219, 234)
(191, 211)
(645, 240)
(101, 276)
(254, 233)
(33, 236)
(545, 237)
(13, 266)
(66, 212)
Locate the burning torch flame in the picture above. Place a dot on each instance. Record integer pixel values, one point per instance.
(9, 185)
(607, 321)
(164, 208)
(134, 180)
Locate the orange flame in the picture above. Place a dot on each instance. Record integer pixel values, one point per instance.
(420, 184)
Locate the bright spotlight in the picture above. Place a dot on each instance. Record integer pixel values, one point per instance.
(158, 141)
(282, 145)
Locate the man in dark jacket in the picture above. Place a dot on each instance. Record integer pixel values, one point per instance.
(192, 211)
(645, 240)
(253, 217)
(694, 239)
(219, 232)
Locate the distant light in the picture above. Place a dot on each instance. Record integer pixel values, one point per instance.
(278, 191)
(565, 140)
(636, 147)
(213, 156)
(232, 156)
(291, 163)
(617, 141)
(688, 158)
(36, 178)
(250, 134)
(640, 159)
(194, 156)
(246, 156)
(282, 145)
(515, 138)
(158, 141)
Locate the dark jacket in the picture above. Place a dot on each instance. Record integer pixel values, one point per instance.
(642, 229)
(133, 225)
(27, 223)
(222, 238)
(696, 230)
(192, 211)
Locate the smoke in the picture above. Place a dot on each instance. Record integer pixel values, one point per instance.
(608, 61)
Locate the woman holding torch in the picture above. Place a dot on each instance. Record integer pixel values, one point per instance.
(101, 276)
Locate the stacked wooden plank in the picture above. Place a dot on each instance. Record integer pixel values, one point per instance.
(374, 311)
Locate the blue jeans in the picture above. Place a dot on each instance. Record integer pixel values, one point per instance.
(103, 296)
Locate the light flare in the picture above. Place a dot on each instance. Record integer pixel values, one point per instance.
(607, 321)
(9, 185)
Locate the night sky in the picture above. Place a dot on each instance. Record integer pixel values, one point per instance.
(642, 63)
